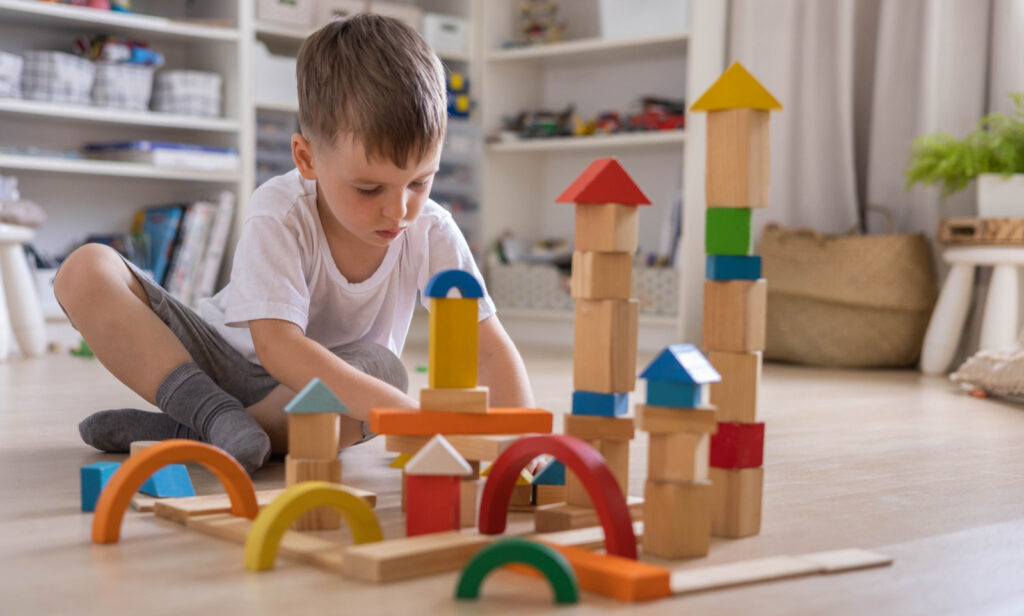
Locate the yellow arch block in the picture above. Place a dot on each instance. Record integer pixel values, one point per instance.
(271, 523)
(454, 332)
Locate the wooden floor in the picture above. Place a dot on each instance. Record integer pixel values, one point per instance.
(890, 461)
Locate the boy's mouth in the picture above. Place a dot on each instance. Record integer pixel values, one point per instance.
(390, 234)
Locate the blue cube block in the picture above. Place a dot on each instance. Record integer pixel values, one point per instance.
(94, 478)
(170, 481)
(668, 393)
(605, 405)
(732, 267)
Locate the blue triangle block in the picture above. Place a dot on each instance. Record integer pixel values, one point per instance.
(733, 267)
(668, 393)
(681, 363)
(316, 398)
(553, 474)
(94, 478)
(170, 481)
(604, 405)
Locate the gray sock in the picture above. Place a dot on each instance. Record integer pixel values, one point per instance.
(191, 397)
(114, 431)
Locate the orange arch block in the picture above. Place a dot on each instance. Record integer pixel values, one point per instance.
(115, 498)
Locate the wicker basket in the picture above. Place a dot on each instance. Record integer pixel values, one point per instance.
(846, 300)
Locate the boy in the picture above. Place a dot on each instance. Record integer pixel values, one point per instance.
(325, 273)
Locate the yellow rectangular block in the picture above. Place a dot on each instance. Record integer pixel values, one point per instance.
(454, 400)
(734, 315)
(452, 357)
(594, 427)
(313, 435)
(736, 501)
(668, 420)
(677, 518)
(682, 456)
(297, 470)
(604, 351)
(738, 172)
(606, 227)
(601, 275)
(735, 396)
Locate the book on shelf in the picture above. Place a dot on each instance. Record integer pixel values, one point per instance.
(162, 225)
(206, 282)
(165, 154)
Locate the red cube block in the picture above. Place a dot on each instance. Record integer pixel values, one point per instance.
(738, 445)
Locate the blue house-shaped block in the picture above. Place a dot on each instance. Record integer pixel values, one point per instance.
(677, 375)
(94, 478)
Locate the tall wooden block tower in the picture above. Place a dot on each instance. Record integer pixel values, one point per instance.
(314, 421)
(735, 295)
(678, 496)
(604, 350)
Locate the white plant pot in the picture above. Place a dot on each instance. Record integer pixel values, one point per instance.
(1001, 196)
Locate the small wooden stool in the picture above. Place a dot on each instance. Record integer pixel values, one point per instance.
(19, 311)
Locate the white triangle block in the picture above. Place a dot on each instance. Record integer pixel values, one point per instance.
(437, 457)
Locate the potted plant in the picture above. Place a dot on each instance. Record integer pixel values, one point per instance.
(993, 153)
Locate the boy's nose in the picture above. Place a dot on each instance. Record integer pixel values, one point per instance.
(396, 208)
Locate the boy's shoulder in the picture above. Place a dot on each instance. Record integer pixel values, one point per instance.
(279, 196)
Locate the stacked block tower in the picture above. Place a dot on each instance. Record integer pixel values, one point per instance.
(314, 423)
(434, 488)
(678, 495)
(735, 295)
(604, 350)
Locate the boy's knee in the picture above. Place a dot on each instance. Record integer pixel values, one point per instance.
(80, 269)
(377, 361)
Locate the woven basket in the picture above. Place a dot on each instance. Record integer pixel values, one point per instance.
(846, 300)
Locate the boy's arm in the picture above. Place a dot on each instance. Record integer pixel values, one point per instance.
(501, 368)
(294, 360)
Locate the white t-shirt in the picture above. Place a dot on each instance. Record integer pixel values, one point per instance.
(283, 269)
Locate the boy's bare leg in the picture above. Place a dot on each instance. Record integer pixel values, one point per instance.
(269, 412)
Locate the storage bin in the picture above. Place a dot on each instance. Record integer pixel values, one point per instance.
(10, 74)
(628, 18)
(410, 15)
(446, 33)
(122, 86)
(298, 13)
(195, 93)
(274, 77)
(330, 10)
(57, 77)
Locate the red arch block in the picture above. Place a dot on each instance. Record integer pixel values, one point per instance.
(577, 456)
(106, 523)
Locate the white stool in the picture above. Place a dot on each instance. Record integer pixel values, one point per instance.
(24, 315)
(999, 322)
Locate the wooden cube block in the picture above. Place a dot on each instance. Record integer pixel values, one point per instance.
(558, 517)
(667, 420)
(683, 456)
(522, 496)
(313, 435)
(467, 502)
(548, 495)
(604, 352)
(728, 231)
(601, 275)
(606, 227)
(453, 353)
(454, 400)
(736, 502)
(297, 470)
(575, 492)
(677, 518)
(734, 315)
(593, 427)
(738, 445)
(738, 169)
(616, 454)
(735, 396)
(605, 405)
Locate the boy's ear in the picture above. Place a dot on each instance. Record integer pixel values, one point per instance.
(302, 153)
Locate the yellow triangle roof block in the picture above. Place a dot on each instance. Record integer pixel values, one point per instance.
(736, 88)
(525, 477)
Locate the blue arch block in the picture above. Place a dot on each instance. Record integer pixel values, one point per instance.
(604, 405)
(733, 267)
(669, 393)
(442, 282)
(172, 480)
(94, 478)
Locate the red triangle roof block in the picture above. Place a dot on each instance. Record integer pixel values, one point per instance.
(604, 181)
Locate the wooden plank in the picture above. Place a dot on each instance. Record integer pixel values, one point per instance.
(295, 545)
(494, 421)
(145, 503)
(669, 420)
(181, 509)
(470, 446)
(604, 352)
(567, 517)
(601, 275)
(410, 557)
(851, 559)
(616, 577)
(591, 538)
(454, 399)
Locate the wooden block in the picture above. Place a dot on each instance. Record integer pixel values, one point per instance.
(181, 509)
(410, 557)
(604, 352)
(137, 446)
(603, 405)
(667, 420)
(144, 503)
(981, 231)
(590, 427)
(738, 171)
(601, 275)
(677, 518)
(736, 502)
(732, 267)
(850, 559)
(607, 227)
(297, 470)
(298, 546)
(454, 400)
(548, 495)
(93, 479)
(452, 353)
(616, 454)
(735, 396)
(682, 456)
(620, 578)
(738, 445)
(438, 457)
(432, 504)
(576, 491)
(567, 517)
(734, 315)
(467, 502)
(494, 421)
(313, 435)
(586, 538)
(522, 496)
(676, 395)
(470, 446)
(728, 231)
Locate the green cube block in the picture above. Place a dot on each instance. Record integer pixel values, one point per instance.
(728, 231)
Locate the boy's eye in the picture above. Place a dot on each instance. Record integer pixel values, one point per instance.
(369, 192)
(419, 184)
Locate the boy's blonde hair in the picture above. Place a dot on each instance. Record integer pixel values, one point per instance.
(373, 77)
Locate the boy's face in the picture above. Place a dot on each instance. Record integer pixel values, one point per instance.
(372, 201)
